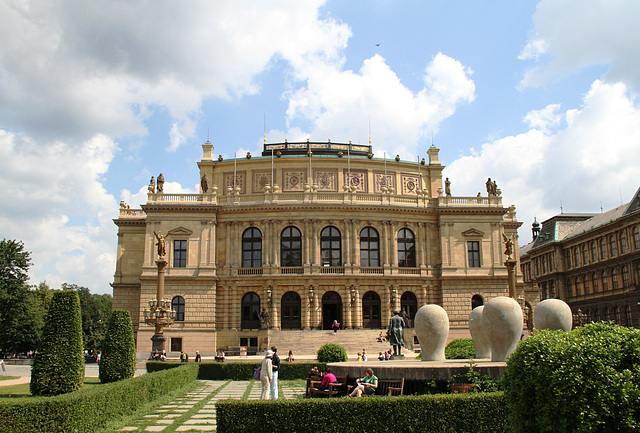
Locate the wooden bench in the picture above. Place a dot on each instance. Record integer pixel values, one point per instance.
(387, 387)
(336, 389)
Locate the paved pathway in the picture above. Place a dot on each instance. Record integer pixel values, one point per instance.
(195, 411)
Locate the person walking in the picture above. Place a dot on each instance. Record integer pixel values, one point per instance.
(275, 361)
(198, 357)
(266, 374)
(335, 326)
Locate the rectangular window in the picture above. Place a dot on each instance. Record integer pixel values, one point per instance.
(473, 249)
(176, 344)
(180, 254)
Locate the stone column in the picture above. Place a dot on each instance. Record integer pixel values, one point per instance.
(392, 244)
(306, 243)
(158, 339)
(511, 273)
(347, 243)
(212, 259)
(314, 243)
(266, 243)
(384, 243)
(356, 243)
(203, 242)
(229, 255)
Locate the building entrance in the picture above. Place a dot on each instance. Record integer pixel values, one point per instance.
(290, 311)
(371, 310)
(331, 309)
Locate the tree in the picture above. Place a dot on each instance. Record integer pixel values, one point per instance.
(20, 313)
(118, 349)
(58, 367)
(95, 311)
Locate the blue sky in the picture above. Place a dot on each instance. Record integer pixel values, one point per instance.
(96, 98)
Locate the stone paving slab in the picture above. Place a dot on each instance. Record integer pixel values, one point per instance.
(204, 419)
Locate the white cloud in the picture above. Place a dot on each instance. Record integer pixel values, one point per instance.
(338, 104)
(589, 159)
(72, 69)
(59, 208)
(571, 34)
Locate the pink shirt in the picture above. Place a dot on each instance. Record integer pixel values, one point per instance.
(328, 378)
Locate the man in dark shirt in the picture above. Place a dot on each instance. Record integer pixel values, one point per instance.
(276, 368)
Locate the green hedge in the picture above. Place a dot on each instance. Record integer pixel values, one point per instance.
(587, 380)
(87, 410)
(460, 348)
(240, 370)
(451, 413)
(118, 360)
(58, 367)
(332, 352)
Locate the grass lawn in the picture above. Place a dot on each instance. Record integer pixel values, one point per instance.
(8, 377)
(22, 390)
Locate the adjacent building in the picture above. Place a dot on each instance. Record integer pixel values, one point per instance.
(591, 261)
(308, 233)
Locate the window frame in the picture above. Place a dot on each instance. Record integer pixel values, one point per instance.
(366, 240)
(474, 259)
(251, 244)
(288, 238)
(178, 301)
(330, 246)
(408, 250)
(180, 254)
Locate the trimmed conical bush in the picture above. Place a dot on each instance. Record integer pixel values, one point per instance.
(58, 367)
(118, 359)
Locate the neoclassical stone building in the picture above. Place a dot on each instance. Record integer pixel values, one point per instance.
(311, 233)
(591, 261)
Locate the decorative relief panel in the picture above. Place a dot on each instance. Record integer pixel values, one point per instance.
(240, 181)
(379, 182)
(410, 184)
(260, 180)
(294, 180)
(358, 179)
(327, 180)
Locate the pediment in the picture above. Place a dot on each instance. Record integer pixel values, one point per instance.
(180, 231)
(472, 232)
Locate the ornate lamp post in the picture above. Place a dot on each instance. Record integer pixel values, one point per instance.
(159, 313)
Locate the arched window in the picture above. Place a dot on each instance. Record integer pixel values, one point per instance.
(252, 248)
(615, 278)
(576, 256)
(579, 285)
(625, 276)
(636, 238)
(331, 247)
(406, 249)
(618, 315)
(587, 284)
(603, 249)
(594, 252)
(605, 280)
(594, 280)
(613, 244)
(623, 242)
(477, 301)
(369, 247)
(291, 247)
(627, 313)
(177, 305)
(570, 288)
(250, 311)
(585, 254)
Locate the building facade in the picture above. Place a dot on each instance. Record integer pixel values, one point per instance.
(591, 261)
(309, 233)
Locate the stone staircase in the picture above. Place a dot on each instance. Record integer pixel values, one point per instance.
(308, 342)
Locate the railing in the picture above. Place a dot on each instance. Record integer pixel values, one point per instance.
(291, 270)
(408, 271)
(249, 271)
(332, 270)
(371, 270)
(131, 213)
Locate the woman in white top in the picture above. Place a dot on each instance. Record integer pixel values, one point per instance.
(266, 374)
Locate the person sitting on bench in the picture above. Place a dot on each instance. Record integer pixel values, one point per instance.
(366, 385)
(328, 378)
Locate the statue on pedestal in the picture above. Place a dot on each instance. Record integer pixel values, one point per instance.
(162, 245)
(152, 185)
(447, 187)
(396, 327)
(508, 247)
(204, 183)
(160, 183)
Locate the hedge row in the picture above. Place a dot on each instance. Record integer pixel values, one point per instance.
(240, 370)
(451, 413)
(87, 409)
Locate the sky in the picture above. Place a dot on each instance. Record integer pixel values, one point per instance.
(96, 97)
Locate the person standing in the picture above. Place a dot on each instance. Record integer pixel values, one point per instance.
(396, 326)
(266, 374)
(198, 357)
(275, 361)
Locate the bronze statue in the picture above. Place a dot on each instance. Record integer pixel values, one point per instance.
(396, 326)
(162, 245)
(508, 246)
(204, 183)
(160, 183)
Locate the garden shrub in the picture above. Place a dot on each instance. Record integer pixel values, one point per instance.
(452, 413)
(118, 359)
(332, 352)
(58, 367)
(239, 370)
(587, 380)
(460, 348)
(88, 409)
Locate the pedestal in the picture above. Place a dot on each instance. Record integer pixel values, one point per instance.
(157, 343)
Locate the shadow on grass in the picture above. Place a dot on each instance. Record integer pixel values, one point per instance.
(22, 390)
